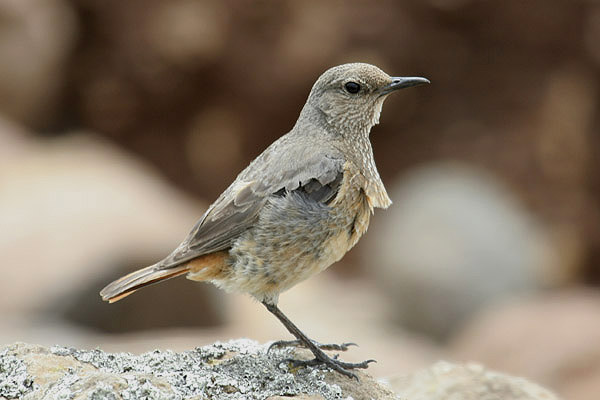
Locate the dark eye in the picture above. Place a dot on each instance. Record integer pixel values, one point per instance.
(352, 87)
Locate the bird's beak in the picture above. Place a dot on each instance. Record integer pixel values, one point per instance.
(399, 82)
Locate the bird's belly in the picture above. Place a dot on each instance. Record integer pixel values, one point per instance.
(289, 244)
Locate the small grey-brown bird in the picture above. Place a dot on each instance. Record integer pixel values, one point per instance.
(296, 209)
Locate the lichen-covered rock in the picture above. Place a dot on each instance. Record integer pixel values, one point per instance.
(240, 369)
(444, 381)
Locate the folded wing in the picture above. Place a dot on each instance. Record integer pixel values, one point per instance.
(237, 209)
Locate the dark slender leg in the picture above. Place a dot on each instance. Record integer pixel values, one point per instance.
(320, 356)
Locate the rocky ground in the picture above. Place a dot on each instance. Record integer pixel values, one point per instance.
(239, 369)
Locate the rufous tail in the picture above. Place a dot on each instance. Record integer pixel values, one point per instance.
(136, 280)
(206, 267)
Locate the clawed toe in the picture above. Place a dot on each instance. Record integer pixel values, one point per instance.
(362, 365)
(338, 347)
(284, 343)
(333, 363)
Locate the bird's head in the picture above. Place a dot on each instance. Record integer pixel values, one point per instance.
(350, 96)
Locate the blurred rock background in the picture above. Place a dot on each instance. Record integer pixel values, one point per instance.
(121, 121)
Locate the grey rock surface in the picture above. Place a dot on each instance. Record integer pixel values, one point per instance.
(239, 369)
(447, 381)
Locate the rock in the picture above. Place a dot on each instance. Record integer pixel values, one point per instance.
(551, 338)
(35, 44)
(239, 369)
(76, 209)
(454, 240)
(592, 30)
(444, 381)
(187, 33)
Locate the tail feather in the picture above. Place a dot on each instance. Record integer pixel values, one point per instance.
(128, 284)
(206, 267)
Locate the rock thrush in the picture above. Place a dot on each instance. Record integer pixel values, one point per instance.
(296, 209)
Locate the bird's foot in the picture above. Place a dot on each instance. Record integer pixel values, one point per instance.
(299, 343)
(320, 357)
(333, 363)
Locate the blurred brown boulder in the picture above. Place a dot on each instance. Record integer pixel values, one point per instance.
(36, 40)
(551, 338)
(76, 213)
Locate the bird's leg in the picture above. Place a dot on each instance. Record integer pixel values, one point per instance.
(320, 357)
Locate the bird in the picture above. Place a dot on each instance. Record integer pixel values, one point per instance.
(296, 209)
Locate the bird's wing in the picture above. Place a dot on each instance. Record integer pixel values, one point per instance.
(238, 207)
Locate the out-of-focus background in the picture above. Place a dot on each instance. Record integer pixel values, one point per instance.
(121, 121)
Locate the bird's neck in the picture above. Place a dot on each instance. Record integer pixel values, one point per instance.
(349, 133)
